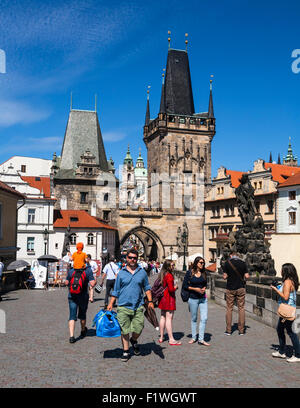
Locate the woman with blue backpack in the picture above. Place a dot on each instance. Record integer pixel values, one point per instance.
(195, 283)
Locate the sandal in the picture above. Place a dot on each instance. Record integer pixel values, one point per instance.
(178, 343)
(203, 343)
(192, 341)
(160, 341)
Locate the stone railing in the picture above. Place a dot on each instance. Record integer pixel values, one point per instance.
(261, 301)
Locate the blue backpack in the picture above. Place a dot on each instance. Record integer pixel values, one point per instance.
(106, 324)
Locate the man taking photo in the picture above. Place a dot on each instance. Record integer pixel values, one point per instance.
(235, 272)
(131, 283)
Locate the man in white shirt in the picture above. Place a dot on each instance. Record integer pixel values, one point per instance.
(94, 268)
(110, 272)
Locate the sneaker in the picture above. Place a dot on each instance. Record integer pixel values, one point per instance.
(125, 356)
(278, 355)
(83, 332)
(293, 359)
(241, 334)
(227, 333)
(72, 339)
(135, 346)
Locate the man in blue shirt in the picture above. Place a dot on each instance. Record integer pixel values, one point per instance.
(78, 303)
(131, 283)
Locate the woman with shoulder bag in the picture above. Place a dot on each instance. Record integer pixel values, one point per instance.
(167, 303)
(287, 295)
(195, 282)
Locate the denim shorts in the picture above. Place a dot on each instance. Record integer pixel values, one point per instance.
(78, 305)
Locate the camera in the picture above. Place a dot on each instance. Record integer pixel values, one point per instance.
(275, 283)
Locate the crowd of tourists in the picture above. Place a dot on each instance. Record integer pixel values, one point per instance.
(128, 288)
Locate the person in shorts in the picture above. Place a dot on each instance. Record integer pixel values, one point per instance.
(131, 283)
(78, 304)
(94, 267)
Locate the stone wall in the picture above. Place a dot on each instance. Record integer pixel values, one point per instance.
(261, 302)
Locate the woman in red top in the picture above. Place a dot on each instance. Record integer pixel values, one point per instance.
(167, 304)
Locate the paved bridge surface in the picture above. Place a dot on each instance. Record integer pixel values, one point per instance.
(35, 350)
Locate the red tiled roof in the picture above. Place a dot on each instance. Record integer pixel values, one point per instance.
(41, 183)
(291, 181)
(11, 190)
(77, 219)
(281, 170)
(235, 177)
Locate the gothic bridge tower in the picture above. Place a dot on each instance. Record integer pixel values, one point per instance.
(178, 142)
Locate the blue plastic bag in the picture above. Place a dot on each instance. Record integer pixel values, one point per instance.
(106, 324)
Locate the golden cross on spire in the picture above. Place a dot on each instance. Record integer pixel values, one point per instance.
(169, 38)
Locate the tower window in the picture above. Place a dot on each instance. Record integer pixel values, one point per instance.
(83, 198)
(292, 195)
(73, 239)
(23, 168)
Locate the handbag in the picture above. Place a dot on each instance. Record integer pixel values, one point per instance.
(185, 294)
(286, 311)
(98, 288)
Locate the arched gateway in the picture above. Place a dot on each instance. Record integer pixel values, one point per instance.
(153, 246)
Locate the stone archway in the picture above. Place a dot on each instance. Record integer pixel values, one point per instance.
(153, 246)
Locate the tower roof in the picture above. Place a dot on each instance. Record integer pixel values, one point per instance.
(210, 104)
(177, 89)
(128, 158)
(147, 117)
(82, 133)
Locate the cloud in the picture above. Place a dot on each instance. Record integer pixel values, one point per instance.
(15, 112)
(114, 136)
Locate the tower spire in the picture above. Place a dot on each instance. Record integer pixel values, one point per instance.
(169, 39)
(162, 108)
(278, 161)
(147, 118)
(186, 41)
(271, 158)
(71, 102)
(210, 104)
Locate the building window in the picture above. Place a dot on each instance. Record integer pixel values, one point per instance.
(73, 239)
(227, 209)
(232, 209)
(257, 206)
(30, 244)
(90, 239)
(270, 206)
(31, 215)
(23, 168)
(129, 177)
(106, 215)
(129, 195)
(218, 211)
(213, 209)
(83, 198)
(292, 218)
(292, 195)
(105, 198)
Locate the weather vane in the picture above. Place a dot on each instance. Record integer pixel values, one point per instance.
(169, 39)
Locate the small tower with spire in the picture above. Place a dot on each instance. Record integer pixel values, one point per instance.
(127, 181)
(290, 159)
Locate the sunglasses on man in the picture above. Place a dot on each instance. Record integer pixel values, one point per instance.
(132, 257)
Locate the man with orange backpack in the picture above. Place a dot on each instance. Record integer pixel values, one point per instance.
(77, 280)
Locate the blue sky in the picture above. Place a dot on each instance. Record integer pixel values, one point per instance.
(115, 49)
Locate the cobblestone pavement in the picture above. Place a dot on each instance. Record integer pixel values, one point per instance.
(35, 351)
